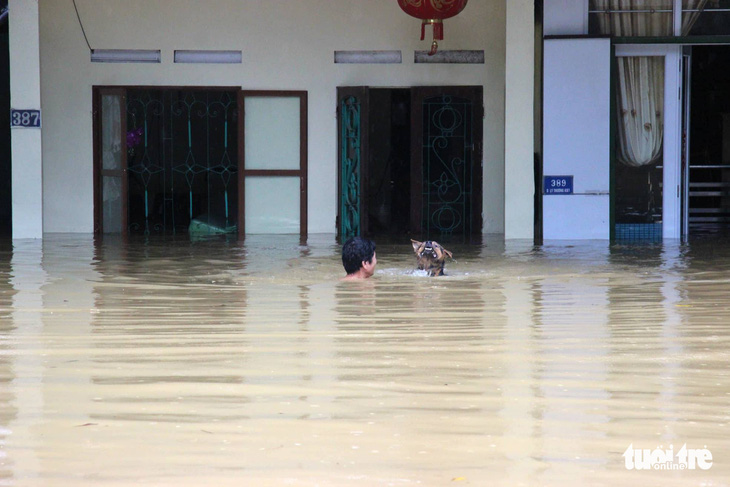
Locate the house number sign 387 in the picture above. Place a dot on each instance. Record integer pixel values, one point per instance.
(25, 118)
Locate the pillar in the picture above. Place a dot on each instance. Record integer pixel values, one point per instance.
(519, 186)
(25, 93)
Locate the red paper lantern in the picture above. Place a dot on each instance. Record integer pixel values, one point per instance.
(432, 12)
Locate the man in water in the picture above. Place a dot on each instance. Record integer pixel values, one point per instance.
(359, 259)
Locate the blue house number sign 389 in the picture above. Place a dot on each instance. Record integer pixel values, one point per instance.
(558, 185)
(25, 118)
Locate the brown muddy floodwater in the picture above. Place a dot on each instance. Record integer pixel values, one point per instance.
(224, 363)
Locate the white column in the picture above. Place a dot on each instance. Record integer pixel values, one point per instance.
(519, 149)
(25, 93)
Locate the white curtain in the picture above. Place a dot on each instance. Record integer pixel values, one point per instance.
(640, 110)
(640, 23)
(641, 79)
(644, 23)
(689, 18)
(111, 157)
(111, 144)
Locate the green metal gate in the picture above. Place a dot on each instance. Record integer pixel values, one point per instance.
(181, 159)
(447, 179)
(446, 168)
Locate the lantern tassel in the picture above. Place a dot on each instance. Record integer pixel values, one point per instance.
(438, 33)
(434, 48)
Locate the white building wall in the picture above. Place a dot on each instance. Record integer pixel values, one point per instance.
(577, 137)
(287, 45)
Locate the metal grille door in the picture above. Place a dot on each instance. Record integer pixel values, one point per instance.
(181, 160)
(446, 177)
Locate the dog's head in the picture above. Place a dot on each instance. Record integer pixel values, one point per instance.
(430, 256)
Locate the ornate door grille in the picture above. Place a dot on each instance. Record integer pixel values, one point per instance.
(447, 183)
(352, 113)
(181, 159)
(350, 163)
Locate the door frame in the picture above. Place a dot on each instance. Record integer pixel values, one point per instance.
(685, 134)
(672, 145)
(301, 173)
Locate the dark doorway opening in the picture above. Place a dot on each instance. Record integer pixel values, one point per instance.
(410, 161)
(389, 166)
(709, 139)
(5, 154)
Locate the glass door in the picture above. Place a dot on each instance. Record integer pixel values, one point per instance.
(110, 184)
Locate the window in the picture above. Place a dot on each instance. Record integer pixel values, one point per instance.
(658, 18)
(708, 17)
(274, 181)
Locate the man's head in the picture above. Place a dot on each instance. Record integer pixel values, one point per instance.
(358, 255)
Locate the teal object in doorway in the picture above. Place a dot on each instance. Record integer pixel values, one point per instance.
(351, 165)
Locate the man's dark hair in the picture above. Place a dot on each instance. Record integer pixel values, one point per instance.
(356, 251)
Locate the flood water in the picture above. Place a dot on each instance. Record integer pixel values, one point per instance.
(176, 363)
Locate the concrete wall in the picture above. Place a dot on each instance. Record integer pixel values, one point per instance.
(286, 44)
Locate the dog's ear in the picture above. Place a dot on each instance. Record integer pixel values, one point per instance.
(416, 245)
(447, 252)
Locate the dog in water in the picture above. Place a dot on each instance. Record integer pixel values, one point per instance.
(430, 256)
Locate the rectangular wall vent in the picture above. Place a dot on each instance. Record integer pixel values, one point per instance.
(208, 57)
(449, 57)
(368, 57)
(125, 56)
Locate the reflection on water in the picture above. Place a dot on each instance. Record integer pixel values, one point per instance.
(218, 362)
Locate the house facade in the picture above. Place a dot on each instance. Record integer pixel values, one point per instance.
(290, 62)
(636, 117)
(255, 140)
(554, 120)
